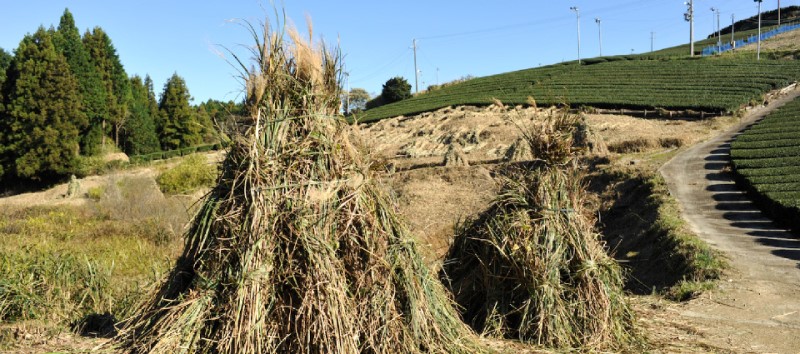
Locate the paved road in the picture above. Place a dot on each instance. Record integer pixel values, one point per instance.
(757, 308)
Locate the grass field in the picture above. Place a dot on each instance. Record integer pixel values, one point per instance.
(64, 264)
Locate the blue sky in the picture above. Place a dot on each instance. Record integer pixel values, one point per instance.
(455, 38)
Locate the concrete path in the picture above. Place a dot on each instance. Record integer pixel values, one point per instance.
(757, 306)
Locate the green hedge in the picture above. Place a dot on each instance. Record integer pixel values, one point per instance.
(766, 162)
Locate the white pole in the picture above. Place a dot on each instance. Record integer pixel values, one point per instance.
(652, 40)
(599, 34)
(578, 17)
(719, 34)
(416, 72)
(716, 29)
(689, 16)
(758, 55)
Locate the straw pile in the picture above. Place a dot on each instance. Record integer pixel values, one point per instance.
(532, 267)
(297, 249)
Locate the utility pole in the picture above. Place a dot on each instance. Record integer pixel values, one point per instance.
(652, 41)
(416, 72)
(689, 17)
(733, 30)
(599, 34)
(779, 13)
(716, 28)
(758, 55)
(719, 32)
(578, 17)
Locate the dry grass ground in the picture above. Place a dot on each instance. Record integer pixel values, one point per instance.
(788, 41)
(64, 258)
(433, 198)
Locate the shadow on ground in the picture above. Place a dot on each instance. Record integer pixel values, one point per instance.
(740, 212)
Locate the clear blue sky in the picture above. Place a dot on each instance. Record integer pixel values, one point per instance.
(455, 38)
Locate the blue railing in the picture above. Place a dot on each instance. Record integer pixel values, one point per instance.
(711, 50)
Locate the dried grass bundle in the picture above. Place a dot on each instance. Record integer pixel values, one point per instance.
(518, 151)
(533, 266)
(552, 139)
(297, 249)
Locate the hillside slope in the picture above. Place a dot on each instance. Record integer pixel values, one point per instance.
(708, 84)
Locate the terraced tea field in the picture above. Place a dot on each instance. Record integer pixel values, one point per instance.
(707, 85)
(767, 160)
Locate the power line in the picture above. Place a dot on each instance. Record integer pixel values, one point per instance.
(625, 6)
(383, 68)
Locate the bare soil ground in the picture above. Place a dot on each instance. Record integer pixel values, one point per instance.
(757, 308)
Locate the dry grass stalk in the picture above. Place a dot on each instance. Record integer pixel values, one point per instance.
(533, 266)
(557, 137)
(297, 249)
(455, 156)
(518, 151)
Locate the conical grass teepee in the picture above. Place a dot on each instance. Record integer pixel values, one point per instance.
(533, 267)
(297, 249)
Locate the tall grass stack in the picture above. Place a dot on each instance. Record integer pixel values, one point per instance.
(297, 249)
(532, 267)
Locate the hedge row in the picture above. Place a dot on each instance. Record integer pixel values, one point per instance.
(767, 152)
(163, 155)
(766, 162)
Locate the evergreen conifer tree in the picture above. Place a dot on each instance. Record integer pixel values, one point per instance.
(116, 82)
(42, 112)
(67, 40)
(207, 132)
(179, 127)
(139, 133)
(5, 62)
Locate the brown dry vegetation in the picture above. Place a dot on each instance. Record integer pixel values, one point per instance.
(115, 215)
(81, 265)
(789, 41)
(432, 199)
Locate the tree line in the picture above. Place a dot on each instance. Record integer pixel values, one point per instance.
(66, 96)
